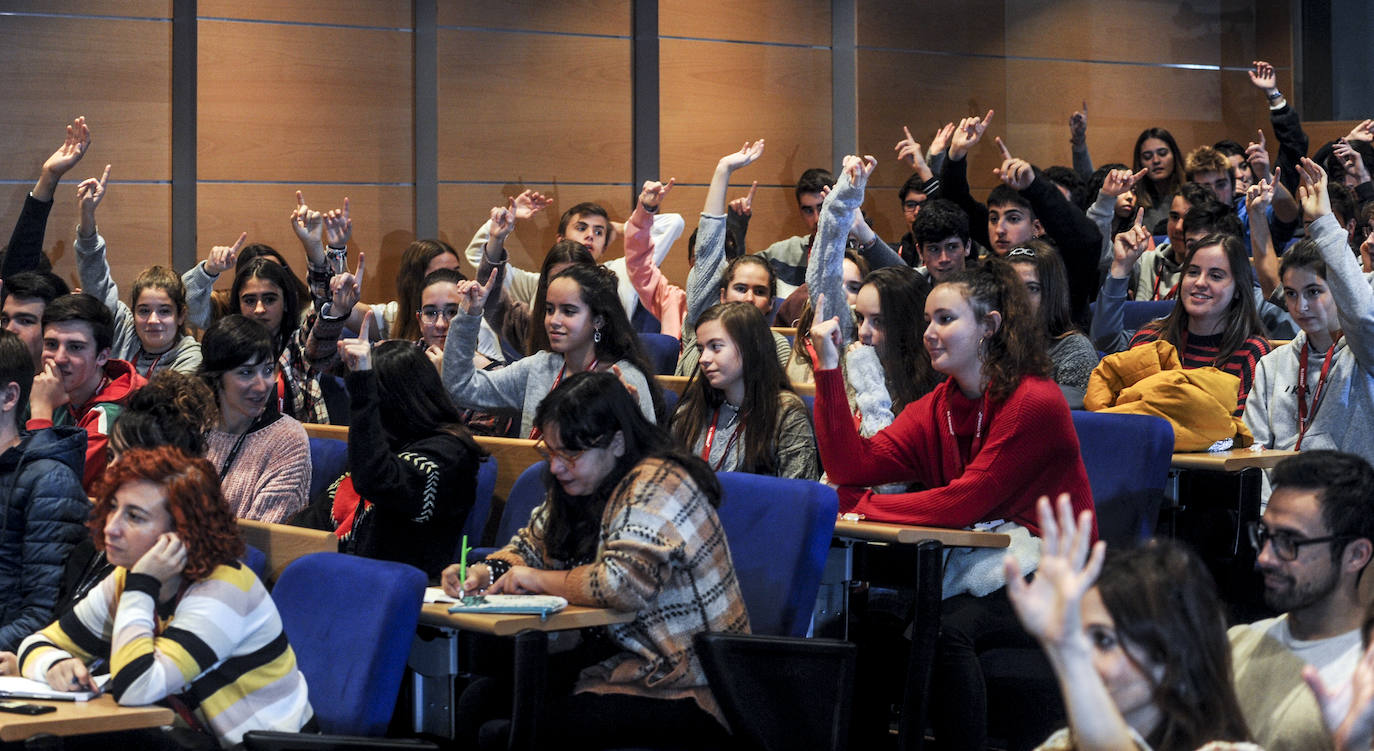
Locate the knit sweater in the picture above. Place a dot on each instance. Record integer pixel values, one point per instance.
(521, 385)
(220, 648)
(91, 264)
(1272, 411)
(1028, 449)
(661, 554)
(269, 480)
(1074, 359)
(794, 441)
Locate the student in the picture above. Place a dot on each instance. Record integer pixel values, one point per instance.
(521, 325)
(662, 299)
(412, 466)
(26, 295)
(205, 305)
(1312, 546)
(787, 258)
(160, 518)
(1156, 275)
(261, 456)
(1072, 355)
(1139, 651)
(941, 234)
(1113, 205)
(983, 445)
(1306, 391)
(41, 502)
(739, 413)
(746, 278)
(80, 383)
(1214, 321)
(24, 252)
(890, 313)
(1157, 153)
(587, 330)
(150, 332)
(629, 523)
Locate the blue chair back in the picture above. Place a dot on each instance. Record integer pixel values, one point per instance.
(328, 461)
(779, 532)
(350, 621)
(256, 560)
(481, 503)
(670, 400)
(643, 321)
(1137, 313)
(524, 497)
(1127, 458)
(662, 351)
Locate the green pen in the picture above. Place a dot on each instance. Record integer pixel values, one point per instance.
(463, 562)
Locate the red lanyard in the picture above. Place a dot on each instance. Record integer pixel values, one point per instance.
(535, 432)
(1304, 419)
(711, 439)
(281, 391)
(156, 360)
(977, 442)
(1159, 276)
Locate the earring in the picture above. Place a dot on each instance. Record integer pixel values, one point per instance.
(596, 336)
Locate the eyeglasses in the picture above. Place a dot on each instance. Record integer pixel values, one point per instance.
(430, 315)
(1286, 546)
(912, 205)
(1022, 251)
(567, 457)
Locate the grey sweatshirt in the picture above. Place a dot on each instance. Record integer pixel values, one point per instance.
(794, 444)
(96, 281)
(1341, 421)
(521, 385)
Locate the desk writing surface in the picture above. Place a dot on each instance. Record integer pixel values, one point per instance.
(572, 617)
(99, 715)
(910, 535)
(1234, 460)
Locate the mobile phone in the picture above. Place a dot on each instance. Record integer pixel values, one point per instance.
(19, 707)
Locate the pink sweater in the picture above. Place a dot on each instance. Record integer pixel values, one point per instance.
(269, 480)
(667, 301)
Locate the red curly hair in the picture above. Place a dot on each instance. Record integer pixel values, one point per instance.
(200, 515)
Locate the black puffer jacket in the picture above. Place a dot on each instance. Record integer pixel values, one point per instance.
(43, 513)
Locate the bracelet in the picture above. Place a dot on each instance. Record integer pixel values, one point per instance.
(339, 248)
(650, 209)
(1277, 95)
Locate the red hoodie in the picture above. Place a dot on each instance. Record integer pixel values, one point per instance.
(97, 415)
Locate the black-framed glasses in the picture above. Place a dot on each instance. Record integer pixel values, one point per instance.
(1286, 546)
(430, 314)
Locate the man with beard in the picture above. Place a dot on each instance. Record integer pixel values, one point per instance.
(1313, 543)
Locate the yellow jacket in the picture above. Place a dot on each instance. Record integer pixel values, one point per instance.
(1150, 380)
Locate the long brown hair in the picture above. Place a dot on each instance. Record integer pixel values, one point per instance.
(1146, 192)
(765, 385)
(1055, 313)
(1017, 348)
(1242, 318)
(409, 283)
(902, 297)
(563, 251)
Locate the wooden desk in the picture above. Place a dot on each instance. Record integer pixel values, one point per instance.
(283, 543)
(572, 617)
(909, 535)
(99, 715)
(1234, 460)
(678, 384)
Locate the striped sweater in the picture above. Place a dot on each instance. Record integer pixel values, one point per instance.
(219, 648)
(1201, 352)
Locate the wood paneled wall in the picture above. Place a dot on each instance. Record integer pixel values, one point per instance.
(319, 96)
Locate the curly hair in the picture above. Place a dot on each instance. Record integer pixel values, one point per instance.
(173, 409)
(200, 515)
(1017, 348)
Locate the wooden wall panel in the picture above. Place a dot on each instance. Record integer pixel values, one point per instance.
(104, 8)
(610, 17)
(135, 219)
(280, 102)
(383, 221)
(780, 21)
(1116, 30)
(972, 27)
(464, 208)
(775, 218)
(717, 95)
(125, 95)
(533, 107)
(395, 14)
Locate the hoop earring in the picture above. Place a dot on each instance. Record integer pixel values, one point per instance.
(596, 336)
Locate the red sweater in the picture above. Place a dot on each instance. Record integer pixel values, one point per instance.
(1028, 449)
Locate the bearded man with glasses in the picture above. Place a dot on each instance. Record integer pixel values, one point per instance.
(1313, 543)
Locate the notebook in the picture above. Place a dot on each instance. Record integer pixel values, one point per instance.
(540, 605)
(14, 687)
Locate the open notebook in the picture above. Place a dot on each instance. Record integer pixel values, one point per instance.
(14, 687)
(540, 605)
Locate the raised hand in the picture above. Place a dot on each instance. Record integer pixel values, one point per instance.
(1016, 173)
(502, 221)
(89, 193)
(909, 151)
(967, 135)
(1362, 132)
(940, 141)
(1263, 77)
(307, 224)
(747, 155)
(71, 150)
(345, 290)
(825, 338)
(859, 168)
(223, 257)
(1259, 196)
(474, 294)
(745, 206)
(1351, 729)
(1312, 195)
(338, 227)
(1128, 246)
(1119, 181)
(357, 352)
(652, 195)
(1048, 607)
(1078, 126)
(529, 203)
(1257, 154)
(1351, 160)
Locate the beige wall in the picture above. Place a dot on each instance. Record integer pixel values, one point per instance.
(319, 95)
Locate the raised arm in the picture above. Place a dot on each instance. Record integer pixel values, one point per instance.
(1262, 255)
(91, 263)
(321, 344)
(1293, 142)
(825, 267)
(1108, 320)
(1257, 154)
(467, 386)
(909, 153)
(26, 242)
(200, 280)
(518, 283)
(661, 298)
(954, 174)
(703, 281)
(1078, 141)
(1349, 288)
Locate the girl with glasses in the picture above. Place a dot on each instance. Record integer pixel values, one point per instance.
(629, 523)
